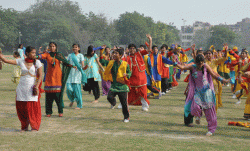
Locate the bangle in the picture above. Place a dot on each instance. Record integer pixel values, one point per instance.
(175, 64)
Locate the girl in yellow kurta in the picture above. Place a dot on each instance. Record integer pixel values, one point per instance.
(213, 63)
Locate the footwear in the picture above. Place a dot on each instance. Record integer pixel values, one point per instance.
(167, 91)
(239, 101)
(190, 125)
(60, 115)
(144, 109)
(126, 120)
(48, 115)
(234, 96)
(209, 134)
(163, 93)
(119, 106)
(112, 107)
(197, 120)
(71, 104)
(77, 108)
(95, 101)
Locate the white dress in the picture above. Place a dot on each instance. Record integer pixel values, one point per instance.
(28, 78)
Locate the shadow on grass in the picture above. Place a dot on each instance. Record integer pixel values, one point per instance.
(8, 130)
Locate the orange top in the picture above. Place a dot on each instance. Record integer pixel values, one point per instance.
(53, 82)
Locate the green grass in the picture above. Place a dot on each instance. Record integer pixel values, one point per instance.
(96, 127)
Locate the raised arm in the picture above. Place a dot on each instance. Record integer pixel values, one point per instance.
(7, 60)
(150, 42)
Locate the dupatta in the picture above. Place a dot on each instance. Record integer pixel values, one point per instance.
(66, 67)
(84, 77)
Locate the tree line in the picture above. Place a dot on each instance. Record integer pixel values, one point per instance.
(64, 22)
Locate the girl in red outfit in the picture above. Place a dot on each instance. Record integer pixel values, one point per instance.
(27, 92)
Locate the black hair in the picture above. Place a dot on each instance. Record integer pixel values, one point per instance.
(28, 50)
(164, 45)
(52, 43)
(106, 48)
(199, 58)
(154, 47)
(16, 54)
(209, 51)
(19, 45)
(218, 50)
(89, 51)
(198, 51)
(77, 46)
(143, 46)
(120, 51)
(236, 52)
(244, 51)
(131, 45)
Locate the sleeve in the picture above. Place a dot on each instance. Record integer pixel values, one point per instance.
(38, 64)
(166, 60)
(98, 48)
(143, 52)
(129, 73)
(95, 56)
(18, 61)
(69, 56)
(44, 55)
(82, 58)
(220, 60)
(150, 67)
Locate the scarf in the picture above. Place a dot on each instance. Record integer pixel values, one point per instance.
(66, 67)
(28, 60)
(74, 59)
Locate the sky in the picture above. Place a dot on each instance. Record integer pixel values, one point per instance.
(174, 11)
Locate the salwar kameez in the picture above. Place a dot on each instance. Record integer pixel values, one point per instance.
(201, 97)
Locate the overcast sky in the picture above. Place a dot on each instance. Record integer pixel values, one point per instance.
(212, 11)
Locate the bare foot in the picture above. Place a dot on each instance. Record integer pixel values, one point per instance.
(77, 108)
(71, 103)
(96, 101)
(23, 130)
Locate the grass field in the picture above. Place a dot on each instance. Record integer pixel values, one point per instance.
(97, 127)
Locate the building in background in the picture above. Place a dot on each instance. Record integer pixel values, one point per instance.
(187, 33)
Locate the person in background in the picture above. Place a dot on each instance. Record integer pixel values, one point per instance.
(21, 51)
(17, 69)
(76, 77)
(91, 68)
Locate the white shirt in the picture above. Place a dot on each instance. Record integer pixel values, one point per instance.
(28, 78)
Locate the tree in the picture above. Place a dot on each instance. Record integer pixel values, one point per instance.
(8, 28)
(219, 36)
(133, 27)
(201, 38)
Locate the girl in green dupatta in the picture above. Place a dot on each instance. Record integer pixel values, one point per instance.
(76, 77)
(55, 78)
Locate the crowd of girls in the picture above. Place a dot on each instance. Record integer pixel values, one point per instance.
(134, 74)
